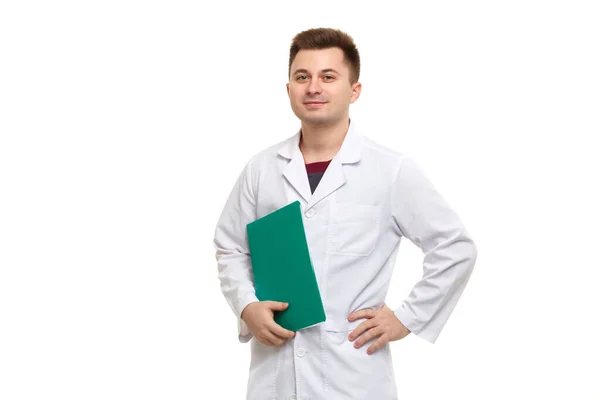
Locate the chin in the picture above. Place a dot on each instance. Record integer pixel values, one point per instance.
(316, 119)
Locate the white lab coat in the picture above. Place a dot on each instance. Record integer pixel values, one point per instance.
(367, 200)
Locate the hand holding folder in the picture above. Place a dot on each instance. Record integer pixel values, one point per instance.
(283, 269)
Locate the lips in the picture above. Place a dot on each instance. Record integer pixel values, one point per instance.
(314, 105)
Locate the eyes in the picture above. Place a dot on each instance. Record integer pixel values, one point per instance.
(304, 78)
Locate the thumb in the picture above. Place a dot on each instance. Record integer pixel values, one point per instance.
(277, 305)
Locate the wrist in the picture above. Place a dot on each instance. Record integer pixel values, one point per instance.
(246, 309)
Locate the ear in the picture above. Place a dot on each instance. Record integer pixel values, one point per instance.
(287, 86)
(356, 89)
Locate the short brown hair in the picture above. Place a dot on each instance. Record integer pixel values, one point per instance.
(325, 38)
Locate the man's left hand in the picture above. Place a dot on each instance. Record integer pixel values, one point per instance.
(382, 324)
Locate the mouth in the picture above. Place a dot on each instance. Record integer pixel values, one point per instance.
(314, 104)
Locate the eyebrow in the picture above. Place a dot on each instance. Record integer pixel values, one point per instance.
(323, 71)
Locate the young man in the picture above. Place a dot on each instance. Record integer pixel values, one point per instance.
(358, 200)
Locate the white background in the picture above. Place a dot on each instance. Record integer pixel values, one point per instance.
(124, 125)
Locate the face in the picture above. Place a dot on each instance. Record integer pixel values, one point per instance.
(320, 91)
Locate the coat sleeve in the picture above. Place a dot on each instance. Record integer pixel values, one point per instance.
(231, 244)
(424, 217)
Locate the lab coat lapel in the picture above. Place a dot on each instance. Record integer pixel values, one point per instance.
(335, 177)
(295, 171)
(332, 179)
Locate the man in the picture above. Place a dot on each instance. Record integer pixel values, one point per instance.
(358, 200)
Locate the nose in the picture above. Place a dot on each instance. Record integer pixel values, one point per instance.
(314, 87)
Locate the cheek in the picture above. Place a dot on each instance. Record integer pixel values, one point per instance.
(341, 96)
(294, 96)
(294, 101)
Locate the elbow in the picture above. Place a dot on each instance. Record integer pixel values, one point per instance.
(466, 252)
(471, 256)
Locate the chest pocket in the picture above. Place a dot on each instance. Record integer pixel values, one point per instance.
(354, 229)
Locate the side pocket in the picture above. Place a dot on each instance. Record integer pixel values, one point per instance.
(351, 370)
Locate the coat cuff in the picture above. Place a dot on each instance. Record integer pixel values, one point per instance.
(409, 321)
(244, 334)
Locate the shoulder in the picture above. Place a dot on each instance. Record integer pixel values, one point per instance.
(383, 155)
(264, 160)
(267, 155)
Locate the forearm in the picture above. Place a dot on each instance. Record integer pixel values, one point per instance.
(235, 276)
(237, 285)
(447, 269)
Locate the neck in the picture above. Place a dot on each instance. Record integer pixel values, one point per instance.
(322, 142)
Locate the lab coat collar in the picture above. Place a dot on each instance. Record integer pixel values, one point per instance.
(334, 177)
(349, 153)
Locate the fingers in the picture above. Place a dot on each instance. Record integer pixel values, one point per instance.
(368, 324)
(280, 331)
(268, 338)
(275, 305)
(365, 313)
(274, 328)
(379, 343)
(275, 334)
(265, 329)
(369, 335)
(265, 341)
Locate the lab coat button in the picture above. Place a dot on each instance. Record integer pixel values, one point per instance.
(300, 352)
(310, 213)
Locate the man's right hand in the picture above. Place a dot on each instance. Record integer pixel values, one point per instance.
(259, 318)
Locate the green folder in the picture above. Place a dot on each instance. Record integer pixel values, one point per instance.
(283, 269)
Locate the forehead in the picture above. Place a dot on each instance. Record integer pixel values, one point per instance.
(316, 60)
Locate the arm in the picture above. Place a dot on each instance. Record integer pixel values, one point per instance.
(423, 216)
(232, 254)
